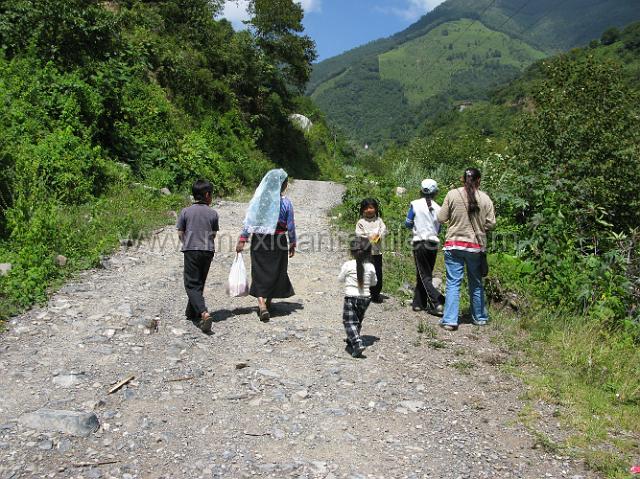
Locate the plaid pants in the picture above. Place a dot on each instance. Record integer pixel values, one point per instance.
(352, 316)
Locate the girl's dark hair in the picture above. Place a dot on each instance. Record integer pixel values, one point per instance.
(284, 184)
(427, 197)
(360, 251)
(364, 204)
(200, 188)
(471, 178)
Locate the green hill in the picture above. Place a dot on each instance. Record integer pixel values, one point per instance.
(425, 66)
(379, 92)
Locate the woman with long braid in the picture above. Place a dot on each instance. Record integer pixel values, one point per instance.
(469, 214)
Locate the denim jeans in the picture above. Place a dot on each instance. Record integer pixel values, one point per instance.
(455, 261)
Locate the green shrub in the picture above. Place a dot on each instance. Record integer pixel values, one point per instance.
(62, 166)
(196, 159)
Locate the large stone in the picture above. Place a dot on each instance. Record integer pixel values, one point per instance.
(301, 121)
(413, 406)
(61, 260)
(68, 380)
(165, 191)
(268, 373)
(400, 191)
(5, 268)
(68, 422)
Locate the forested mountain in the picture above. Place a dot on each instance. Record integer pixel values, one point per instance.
(381, 92)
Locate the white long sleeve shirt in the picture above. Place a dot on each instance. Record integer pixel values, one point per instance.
(349, 275)
(368, 228)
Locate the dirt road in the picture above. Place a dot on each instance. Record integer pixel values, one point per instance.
(281, 399)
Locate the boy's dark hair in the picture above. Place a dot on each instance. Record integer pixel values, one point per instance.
(360, 251)
(364, 204)
(200, 188)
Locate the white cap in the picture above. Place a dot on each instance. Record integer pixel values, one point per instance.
(429, 186)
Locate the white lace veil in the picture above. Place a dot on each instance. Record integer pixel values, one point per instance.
(264, 208)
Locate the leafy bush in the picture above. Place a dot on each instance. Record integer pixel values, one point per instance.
(41, 229)
(99, 95)
(578, 152)
(62, 166)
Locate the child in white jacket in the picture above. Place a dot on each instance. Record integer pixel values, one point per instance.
(371, 227)
(358, 276)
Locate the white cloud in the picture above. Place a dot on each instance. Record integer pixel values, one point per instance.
(311, 5)
(236, 10)
(413, 9)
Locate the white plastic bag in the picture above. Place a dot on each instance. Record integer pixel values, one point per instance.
(238, 284)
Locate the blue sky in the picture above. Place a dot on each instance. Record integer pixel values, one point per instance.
(340, 25)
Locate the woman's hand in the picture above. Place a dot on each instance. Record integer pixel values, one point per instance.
(292, 251)
(239, 246)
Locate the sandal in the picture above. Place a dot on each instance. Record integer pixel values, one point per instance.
(263, 314)
(205, 323)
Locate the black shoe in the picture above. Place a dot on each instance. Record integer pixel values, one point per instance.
(357, 350)
(437, 311)
(448, 327)
(264, 315)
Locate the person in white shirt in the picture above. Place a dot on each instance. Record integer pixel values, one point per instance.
(422, 219)
(371, 226)
(358, 275)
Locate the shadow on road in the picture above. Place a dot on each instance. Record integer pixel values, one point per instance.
(284, 308)
(224, 314)
(369, 340)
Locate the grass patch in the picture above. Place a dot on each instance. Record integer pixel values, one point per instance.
(426, 329)
(437, 344)
(591, 374)
(464, 367)
(83, 234)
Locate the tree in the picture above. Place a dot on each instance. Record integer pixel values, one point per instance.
(610, 36)
(277, 25)
(67, 32)
(579, 148)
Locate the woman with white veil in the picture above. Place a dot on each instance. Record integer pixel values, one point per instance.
(270, 223)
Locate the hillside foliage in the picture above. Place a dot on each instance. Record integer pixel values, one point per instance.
(99, 97)
(559, 151)
(458, 52)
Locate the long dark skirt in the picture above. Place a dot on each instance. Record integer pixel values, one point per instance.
(425, 296)
(269, 262)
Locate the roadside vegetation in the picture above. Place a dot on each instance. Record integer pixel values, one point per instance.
(107, 103)
(559, 150)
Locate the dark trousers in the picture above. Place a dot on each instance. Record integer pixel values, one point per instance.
(352, 317)
(376, 260)
(196, 269)
(425, 296)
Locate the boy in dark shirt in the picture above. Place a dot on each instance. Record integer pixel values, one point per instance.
(197, 227)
